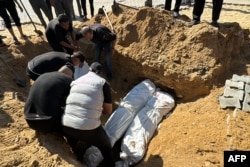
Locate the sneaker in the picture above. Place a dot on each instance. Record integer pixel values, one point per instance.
(176, 14)
(215, 24)
(193, 22)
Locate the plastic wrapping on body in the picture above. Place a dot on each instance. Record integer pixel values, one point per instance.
(135, 141)
(121, 118)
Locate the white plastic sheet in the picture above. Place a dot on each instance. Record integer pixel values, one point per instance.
(141, 130)
(121, 118)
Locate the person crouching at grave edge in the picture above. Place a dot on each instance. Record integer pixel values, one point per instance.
(47, 98)
(81, 66)
(46, 62)
(89, 98)
(60, 35)
(104, 39)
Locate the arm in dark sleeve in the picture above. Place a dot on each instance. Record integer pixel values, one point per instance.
(59, 34)
(107, 93)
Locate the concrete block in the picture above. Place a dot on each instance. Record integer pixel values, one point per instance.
(236, 93)
(229, 102)
(247, 88)
(246, 103)
(233, 84)
(238, 78)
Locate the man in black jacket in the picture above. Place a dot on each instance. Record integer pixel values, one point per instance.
(103, 39)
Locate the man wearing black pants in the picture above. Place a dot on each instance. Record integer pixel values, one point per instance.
(83, 2)
(89, 98)
(176, 7)
(198, 10)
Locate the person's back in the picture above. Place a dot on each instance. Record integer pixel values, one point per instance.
(46, 62)
(89, 97)
(43, 107)
(84, 103)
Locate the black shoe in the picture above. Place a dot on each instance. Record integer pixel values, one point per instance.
(215, 24)
(193, 22)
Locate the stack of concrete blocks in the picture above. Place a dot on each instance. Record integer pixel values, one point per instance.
(236, 93)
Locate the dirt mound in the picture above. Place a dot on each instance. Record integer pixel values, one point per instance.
(154, 45)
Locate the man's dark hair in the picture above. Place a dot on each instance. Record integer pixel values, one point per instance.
(78, 55)
(96, 67)
(63, 18)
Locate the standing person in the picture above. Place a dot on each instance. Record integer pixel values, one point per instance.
(39, 5)
(91, 4)
(79, 7)
(198, 10)
(9, 5)
(46, 62)
(90, 96)
(63, 7)
(176, 7)
(49, 7)
(59, 33)
(80, 65)
(103, 39)
(44, 106)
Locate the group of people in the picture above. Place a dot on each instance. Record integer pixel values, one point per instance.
(62, 38)
(9, 7)
(68, 97)
(60, 7)
(197, 10)
(8, 11)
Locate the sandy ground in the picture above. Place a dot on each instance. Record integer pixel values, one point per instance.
(194, 62)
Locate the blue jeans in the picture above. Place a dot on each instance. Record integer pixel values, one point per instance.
(107, 48)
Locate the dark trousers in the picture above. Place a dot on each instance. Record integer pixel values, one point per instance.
(49, 7)
(199, 7)
(176, 7)
(96, 137)
(31, 75)
(83, 2)
(50, 125)
(39, 5)
(11, 7)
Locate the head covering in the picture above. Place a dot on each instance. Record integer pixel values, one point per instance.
(70, 66)
(96, 67)
(78, 55)
(62, 18)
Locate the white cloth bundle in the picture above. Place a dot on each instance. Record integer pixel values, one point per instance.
(121, 118)
(141, 130)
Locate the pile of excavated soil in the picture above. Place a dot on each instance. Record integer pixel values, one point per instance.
(190, 63)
